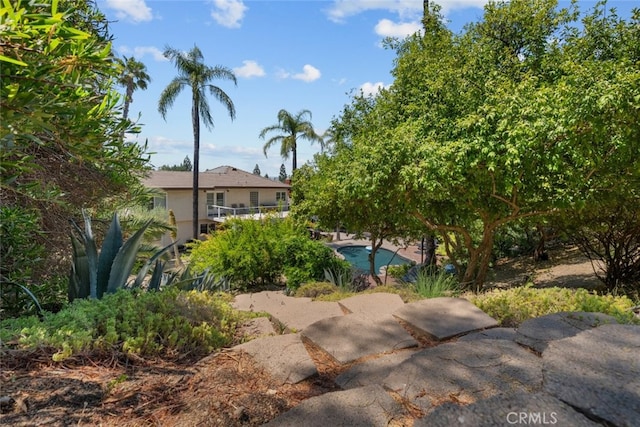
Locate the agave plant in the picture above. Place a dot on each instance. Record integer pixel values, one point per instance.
(95, 273)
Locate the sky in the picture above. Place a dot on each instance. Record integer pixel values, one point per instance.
(288, 54)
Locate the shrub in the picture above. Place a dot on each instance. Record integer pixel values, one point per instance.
(168, 323)
(315, 289)
(20, 254)
(254, 253)
(398, 271)
(436, 285)
(513, 306)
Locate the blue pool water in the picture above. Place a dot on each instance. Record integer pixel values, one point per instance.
(358, 256)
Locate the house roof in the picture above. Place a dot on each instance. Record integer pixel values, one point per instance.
(220, 177)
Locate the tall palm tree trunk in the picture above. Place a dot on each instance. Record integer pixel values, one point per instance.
(127, 100)
(195, 118)
(294, 158)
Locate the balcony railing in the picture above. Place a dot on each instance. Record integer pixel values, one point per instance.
(222, 212)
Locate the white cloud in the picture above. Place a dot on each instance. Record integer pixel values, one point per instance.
(369, 88)
(405, 9)
(140, 51)
(388, 28)
(163, 145)
(228, 13)
(135, 10)
(249, 69)
(309, 73)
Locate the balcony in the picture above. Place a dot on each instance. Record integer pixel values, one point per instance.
(222, 213)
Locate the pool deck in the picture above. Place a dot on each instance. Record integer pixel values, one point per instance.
(410, 252)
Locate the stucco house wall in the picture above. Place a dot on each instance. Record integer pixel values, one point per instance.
(235, 185)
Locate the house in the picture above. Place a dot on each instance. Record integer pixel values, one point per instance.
(225, 192)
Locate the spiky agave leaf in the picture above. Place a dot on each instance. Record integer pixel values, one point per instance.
(92, 255)
(110, 247)
(79, 275)
(124, 260)
(145, 268)
(156, 277)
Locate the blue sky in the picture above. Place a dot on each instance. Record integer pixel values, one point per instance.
(285, 54)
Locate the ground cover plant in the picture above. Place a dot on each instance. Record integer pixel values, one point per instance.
(513, 306)
(171, 323)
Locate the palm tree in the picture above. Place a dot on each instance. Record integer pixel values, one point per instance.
(134, 76)
(291, 127)
(193, 72)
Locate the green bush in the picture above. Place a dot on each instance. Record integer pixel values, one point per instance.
(439, 284)
(167, 323)
(252, 253)
(20, 251)
(315, 289)
(513, 306)
(398, 271)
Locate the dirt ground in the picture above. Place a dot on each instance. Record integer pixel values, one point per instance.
(223, 389)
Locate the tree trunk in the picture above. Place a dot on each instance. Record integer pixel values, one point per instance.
(479, 260)
(372, 259)
(294, 157)
(127, 101)
(429, 248)
(195, 117)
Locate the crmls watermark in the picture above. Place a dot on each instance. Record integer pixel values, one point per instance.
(532, 418)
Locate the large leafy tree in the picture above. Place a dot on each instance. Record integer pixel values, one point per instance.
(60, 124)
(290, 128)
(526, 113)
(194, 73)
(134, 76)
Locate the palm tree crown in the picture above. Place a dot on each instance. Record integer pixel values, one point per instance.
(134, 76)
(194, 73)
(291, 127)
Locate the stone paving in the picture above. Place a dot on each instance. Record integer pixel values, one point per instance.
(449, 362)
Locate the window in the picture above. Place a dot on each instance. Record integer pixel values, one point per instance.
(253, 199)
(281, 196)
(215, 199)
(158, 201)
(207, 228)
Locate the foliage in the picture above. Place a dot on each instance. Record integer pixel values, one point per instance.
(256, 170)
(347, 279)
(20, 250)
(525, 113)
(291, 128)
(609, 235)
(95, 273)
(185, 166)
(434, 285)
(169, 323)
(513, 306)
(397, 271)
(315, 289)
(60, 124)
(282, 176)
(195, 74)
(252, 253)
(133, 76)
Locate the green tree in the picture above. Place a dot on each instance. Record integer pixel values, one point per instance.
(134, 76)
(283, 173)
(194, 73)
(526, 113)
(290, 128)
(60, 124)
(185, 166)
(256, 170)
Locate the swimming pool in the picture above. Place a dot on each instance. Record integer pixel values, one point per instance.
(358, 256)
